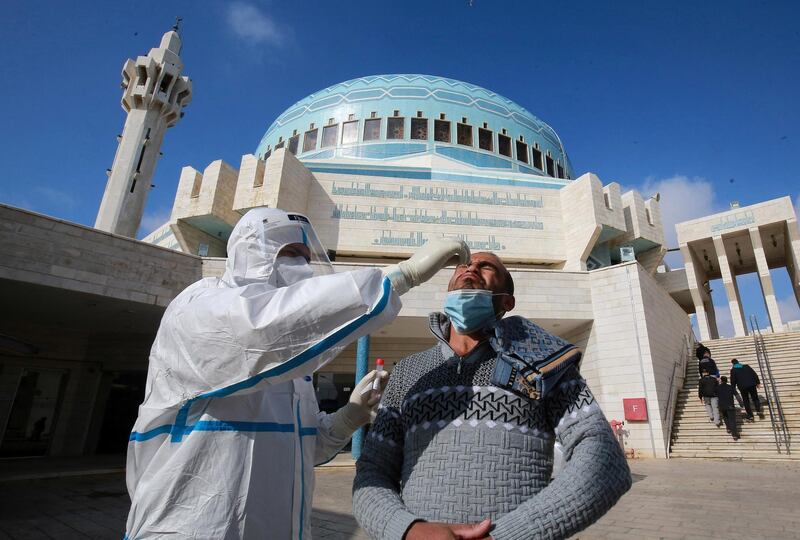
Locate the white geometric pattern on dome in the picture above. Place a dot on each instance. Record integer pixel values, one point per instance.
(437, 94)
(489, 104)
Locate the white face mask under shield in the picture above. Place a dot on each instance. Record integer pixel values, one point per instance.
(290, 270)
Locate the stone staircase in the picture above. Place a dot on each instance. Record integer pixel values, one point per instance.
(694, 436)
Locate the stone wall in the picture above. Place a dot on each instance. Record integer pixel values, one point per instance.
(636, 337)
(669, 332)
(46, 251)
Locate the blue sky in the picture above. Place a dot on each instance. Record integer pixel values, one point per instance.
(697, 100)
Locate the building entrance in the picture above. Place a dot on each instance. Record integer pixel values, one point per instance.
(122, 408)
(33, 413)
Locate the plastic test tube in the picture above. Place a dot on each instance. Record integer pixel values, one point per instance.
(376, 382)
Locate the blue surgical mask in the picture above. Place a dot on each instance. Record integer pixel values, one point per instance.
(470, 310)
(290, 270)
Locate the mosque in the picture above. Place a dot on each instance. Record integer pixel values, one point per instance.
(380, 164)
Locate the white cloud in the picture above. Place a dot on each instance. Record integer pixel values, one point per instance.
(789, 309)
(17, 200)
(55, 198)
(41, 199)
(682, 199)
(724, 320)
(153, 220)
(250, 24)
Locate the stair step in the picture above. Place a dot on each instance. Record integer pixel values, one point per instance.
(703, 423)
(690, 409)
(727, 446)
(724, 435)
(783, 374)
(692, 412)
(746, 429)
(709, 428)
(734, 454)
(786, 371)
(724, 443)
(697, 407)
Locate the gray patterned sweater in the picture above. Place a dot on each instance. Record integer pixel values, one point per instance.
(449, 446)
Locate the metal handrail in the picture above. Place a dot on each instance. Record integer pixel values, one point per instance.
(670, 390)
(682, 364)
(776, 416)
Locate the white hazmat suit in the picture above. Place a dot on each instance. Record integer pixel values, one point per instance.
(229, 431)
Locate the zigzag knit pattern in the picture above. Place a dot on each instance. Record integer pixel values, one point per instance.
(472, 405)
(448, 446)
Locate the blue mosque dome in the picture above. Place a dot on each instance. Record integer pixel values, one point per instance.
(386, 118)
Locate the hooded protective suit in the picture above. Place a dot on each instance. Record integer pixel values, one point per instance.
(229, 430)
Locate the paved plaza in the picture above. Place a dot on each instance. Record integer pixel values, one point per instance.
(669, 499)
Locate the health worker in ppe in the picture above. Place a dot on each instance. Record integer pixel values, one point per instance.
(229, 431)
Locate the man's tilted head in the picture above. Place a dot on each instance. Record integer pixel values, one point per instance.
(480, 291)
(484, 271)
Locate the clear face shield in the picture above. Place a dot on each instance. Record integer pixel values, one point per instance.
(299, 253)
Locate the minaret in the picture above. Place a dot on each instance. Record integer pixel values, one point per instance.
(154, 92)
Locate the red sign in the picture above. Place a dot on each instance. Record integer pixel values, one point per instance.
(635, 409)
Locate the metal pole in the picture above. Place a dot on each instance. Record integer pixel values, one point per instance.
(362, 365)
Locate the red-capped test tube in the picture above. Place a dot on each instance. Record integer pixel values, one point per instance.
(376, 382)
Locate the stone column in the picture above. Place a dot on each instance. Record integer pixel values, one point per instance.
(703, 306)
(362, 364)
(731, 289)
(792, 247)
(711, 315)
(766, 281)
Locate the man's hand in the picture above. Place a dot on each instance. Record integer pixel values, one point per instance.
(423, 530)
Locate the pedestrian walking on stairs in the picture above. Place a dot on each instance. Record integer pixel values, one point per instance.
(707, 391)
(725, 395)
(746, 380)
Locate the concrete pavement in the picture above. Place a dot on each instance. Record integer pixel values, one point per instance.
(670, 499)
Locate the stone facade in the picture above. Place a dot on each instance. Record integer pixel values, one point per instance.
(359, 213)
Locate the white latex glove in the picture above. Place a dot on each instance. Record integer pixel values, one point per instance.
(429, 259)
(362, 406)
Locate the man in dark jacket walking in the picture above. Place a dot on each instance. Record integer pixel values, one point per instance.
(744, 378)
(707, 391)
(725, 395)
(706, 362)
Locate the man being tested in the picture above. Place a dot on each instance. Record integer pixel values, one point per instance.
(229, 430)
(462, 446)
